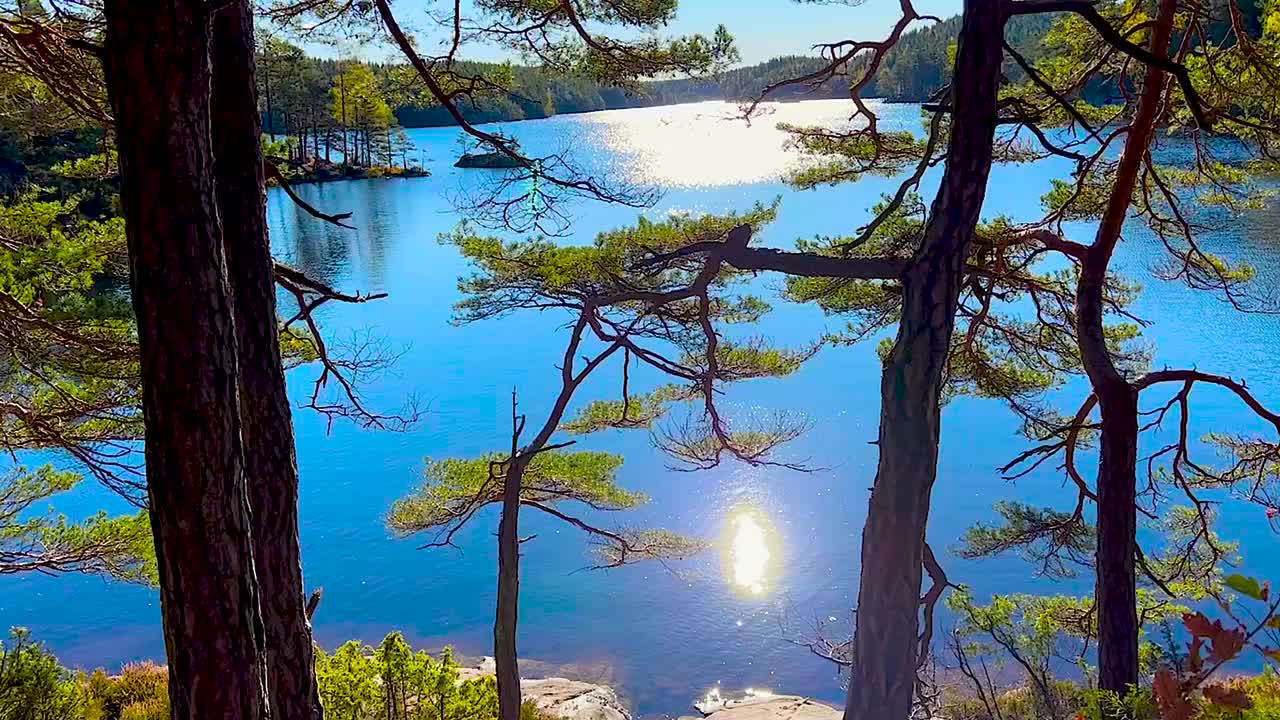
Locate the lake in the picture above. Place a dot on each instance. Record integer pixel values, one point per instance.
(787, 543)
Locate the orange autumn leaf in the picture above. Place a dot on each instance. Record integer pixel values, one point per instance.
(1173, 705)
(1200, 626)
(1226, 645)
(1194, 662)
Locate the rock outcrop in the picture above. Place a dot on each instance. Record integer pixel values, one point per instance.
(577, 700)
(561, 697)
(574, 700)
(755, 705)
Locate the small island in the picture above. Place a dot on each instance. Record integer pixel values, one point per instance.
(489, 161)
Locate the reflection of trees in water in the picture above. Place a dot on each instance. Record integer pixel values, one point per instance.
(321, 250)
(338, 256)
(381, 222)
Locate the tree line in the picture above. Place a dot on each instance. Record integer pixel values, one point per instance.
(308, 103)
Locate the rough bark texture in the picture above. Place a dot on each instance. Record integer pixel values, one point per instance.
(271, 472)
(504, 626)
(157, 67)
(1116, 589)
(882, 682)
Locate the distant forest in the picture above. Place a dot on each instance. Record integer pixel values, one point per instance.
(306, 97)
(911, 71)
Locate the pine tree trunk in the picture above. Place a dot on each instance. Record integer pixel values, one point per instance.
(1116, 589)
(882, 681)
(156, 63)
(271, 472)
(504, 626)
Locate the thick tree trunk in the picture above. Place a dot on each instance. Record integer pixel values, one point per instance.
(1115, 590)
(882, 681)
(156, 62)
(271, 472)
(504, 626)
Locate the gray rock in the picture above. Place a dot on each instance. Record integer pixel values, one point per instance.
(770, 707)
(574, 700)
(561, 697)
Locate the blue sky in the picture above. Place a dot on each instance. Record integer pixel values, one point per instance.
(763, 29)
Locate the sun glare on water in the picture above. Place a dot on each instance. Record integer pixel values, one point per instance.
(752, 553)
(708, 144)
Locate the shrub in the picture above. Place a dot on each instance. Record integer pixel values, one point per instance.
(151, 709)
(356, 682)
(530, 711)
(393, 682)
(139, 692)
(32, 684)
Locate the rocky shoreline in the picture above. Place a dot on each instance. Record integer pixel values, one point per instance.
(577, 700)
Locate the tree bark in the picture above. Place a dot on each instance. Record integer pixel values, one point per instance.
(1116, 591)
(883, 676)
(156, 63)
(507, 667)
(1116, 588)
(271, 472)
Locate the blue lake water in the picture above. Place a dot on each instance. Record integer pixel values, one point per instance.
(663, 638)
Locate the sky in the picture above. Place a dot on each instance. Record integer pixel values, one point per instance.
(763, 29)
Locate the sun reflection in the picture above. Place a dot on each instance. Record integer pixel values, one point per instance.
(708, 144)
(750, 554)
(751, 551)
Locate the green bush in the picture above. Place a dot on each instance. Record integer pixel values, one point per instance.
(32, 684)
(393, 682)
(1139, 704)
(356, 682)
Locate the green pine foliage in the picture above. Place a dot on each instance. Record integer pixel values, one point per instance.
(47, 542)
(609, 292)
(393, 682)
(452, 485)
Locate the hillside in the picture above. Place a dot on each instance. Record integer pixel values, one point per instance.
(911, 71)
(306, 92)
